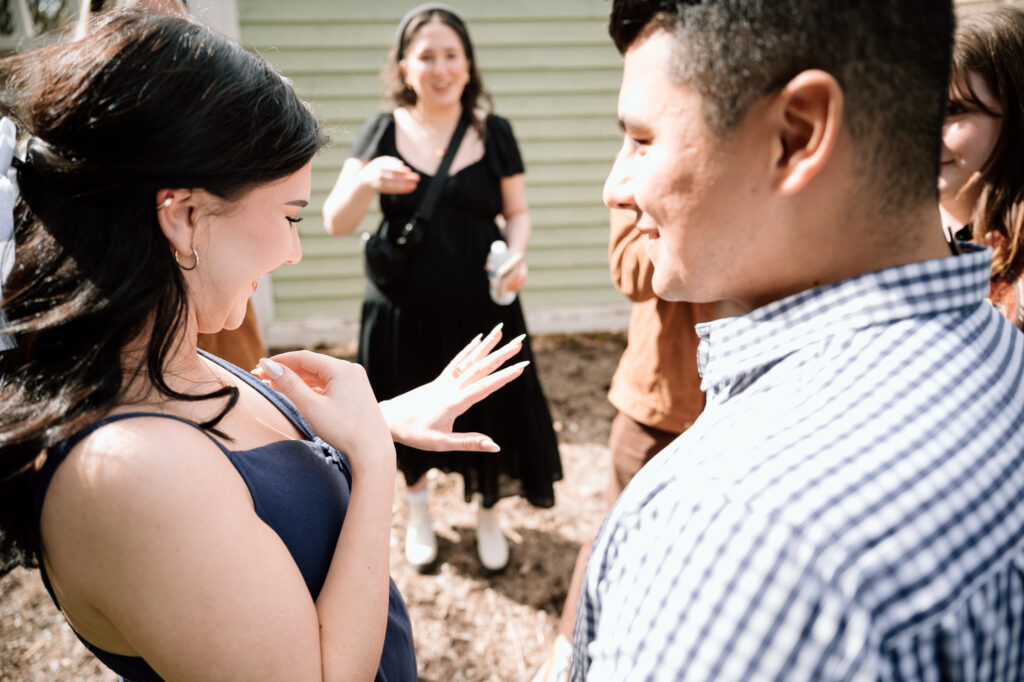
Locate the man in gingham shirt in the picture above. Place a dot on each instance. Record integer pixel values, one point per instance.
(850, 505)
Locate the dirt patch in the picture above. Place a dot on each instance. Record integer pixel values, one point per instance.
(467, 626)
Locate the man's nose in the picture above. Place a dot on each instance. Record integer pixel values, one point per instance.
(617, 191)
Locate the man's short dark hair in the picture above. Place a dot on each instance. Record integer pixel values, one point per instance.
(891, 57)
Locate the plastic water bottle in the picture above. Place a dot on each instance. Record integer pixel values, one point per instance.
(499, 262)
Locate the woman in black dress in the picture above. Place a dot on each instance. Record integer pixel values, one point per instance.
(407, 334)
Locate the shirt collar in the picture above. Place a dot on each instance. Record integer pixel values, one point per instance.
(734, 347)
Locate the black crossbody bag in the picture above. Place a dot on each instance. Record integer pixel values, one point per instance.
(387, 251)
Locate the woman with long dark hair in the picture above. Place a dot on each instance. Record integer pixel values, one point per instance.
(409, 326)
(981, 182)
(188, 520)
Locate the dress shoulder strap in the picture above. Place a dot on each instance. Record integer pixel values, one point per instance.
(66, 446)
(278, 400)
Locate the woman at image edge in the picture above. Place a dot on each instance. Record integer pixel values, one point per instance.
(188, 520)
(405, 336)
(981, 181)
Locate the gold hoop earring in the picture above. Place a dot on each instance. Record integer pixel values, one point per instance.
(195, 254)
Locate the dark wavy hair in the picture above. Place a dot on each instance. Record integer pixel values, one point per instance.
(143, 102)
(398, 94)
(990, 43)
(891, 57)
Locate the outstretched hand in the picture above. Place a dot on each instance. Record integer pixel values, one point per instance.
(424, 417)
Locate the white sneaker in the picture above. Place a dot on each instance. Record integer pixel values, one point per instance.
(491, 545)
(420, 540)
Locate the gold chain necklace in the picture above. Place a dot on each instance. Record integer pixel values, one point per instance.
(438, 139)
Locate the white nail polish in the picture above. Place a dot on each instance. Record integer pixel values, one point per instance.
(271, 368)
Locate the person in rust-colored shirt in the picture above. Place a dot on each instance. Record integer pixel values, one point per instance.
(655, 388)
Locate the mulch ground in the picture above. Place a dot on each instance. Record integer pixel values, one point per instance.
(467, 626)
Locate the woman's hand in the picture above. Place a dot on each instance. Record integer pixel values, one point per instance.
(389, 175)
(424, 417)
(516, 277)
(357, 186)
(336, 399)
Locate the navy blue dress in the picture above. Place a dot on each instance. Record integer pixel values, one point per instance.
(300, 488)
(407, 338)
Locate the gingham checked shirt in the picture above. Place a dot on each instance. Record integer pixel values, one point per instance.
(850, 505)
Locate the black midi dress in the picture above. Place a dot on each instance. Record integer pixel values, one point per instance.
(407, 338)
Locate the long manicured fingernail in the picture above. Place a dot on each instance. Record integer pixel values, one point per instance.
(271, 368)
(490, 445)
(517, 339)
(497, 328)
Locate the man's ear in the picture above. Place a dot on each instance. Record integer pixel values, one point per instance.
(809, 112)
(175, 213)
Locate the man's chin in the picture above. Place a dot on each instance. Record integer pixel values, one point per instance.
(678, 290)
(667, 289)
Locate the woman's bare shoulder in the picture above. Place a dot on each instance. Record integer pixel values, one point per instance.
(148, 516)
(132, 472)
(138, 448)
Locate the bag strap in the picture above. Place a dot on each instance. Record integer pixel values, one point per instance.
(426, 208)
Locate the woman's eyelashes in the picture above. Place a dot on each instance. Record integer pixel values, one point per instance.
(294, 220)
(956, 108)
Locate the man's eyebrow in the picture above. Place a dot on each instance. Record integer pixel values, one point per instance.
(627, 122)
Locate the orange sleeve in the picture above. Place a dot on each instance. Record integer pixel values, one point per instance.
(631, 269)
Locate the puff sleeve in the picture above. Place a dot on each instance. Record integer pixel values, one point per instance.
(367, 140)
(502, 149)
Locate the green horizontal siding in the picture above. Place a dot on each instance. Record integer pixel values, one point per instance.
(349, 33)
(497, 62)
(552, 71)
(353, 109)
(388, 12)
